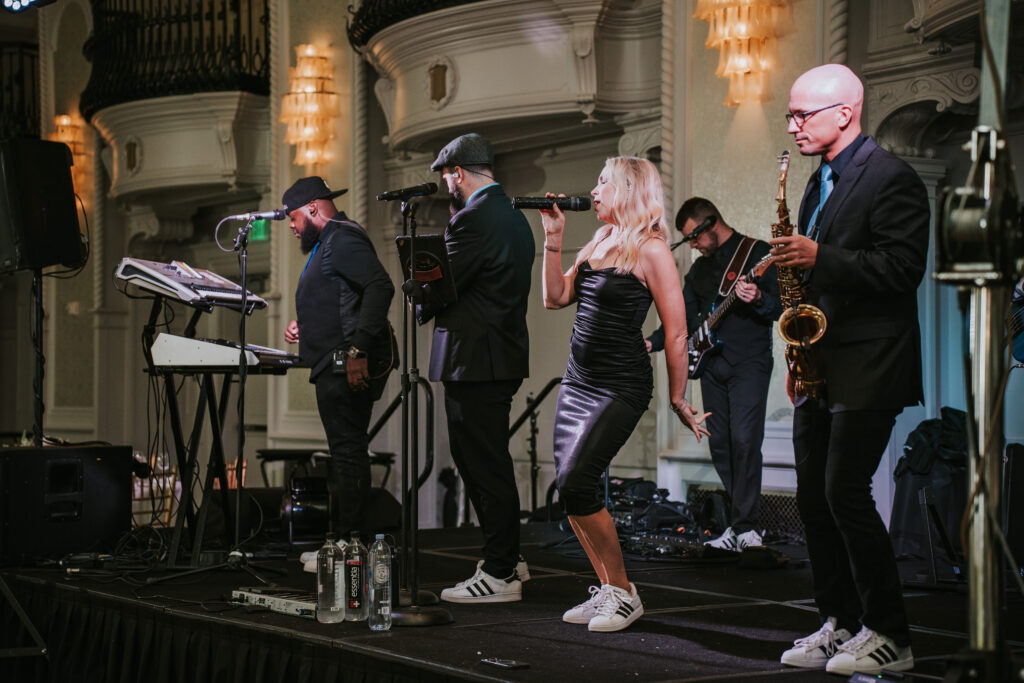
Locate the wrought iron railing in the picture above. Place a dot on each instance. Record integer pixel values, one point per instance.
(374, 15)
(19, 90)
(141, 49)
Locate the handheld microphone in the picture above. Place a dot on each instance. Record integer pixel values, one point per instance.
(564, 203)
(275, 215)
(421, 190)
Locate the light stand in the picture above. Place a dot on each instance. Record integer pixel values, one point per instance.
(979, 249)
(414, 614)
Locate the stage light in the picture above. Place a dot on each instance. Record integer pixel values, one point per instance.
(22, 5)
(743, 31)
(310, 107)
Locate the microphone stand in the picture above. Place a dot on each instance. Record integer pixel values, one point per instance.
(236, 558)
(414, 614)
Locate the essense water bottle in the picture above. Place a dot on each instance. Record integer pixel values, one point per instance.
(355, 580)
(380, 585)
(330, 597)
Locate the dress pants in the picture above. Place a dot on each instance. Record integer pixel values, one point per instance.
(478, 417)
(346, 418)
(854, 567)
(737, 397)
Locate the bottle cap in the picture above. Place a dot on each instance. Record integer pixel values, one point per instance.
(380, 537)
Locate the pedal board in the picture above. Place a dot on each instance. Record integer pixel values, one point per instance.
(291, 601)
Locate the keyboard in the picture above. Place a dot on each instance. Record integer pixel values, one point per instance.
(193, 286)
(184, 354)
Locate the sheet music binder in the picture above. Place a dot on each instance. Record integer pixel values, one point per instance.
(433, 267)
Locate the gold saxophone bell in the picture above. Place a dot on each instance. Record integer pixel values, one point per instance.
(802, 322)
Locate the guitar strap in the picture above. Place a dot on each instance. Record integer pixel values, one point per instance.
(736, 266)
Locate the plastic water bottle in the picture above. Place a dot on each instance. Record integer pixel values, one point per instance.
(356, 608)
(330, 598)
(380, 585)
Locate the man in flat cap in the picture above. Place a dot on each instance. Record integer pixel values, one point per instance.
(344, 335)
(481, 353)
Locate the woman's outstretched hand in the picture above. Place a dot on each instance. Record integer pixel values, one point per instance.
(687, 414)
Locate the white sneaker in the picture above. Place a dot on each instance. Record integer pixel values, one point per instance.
(749, 539)
(814, 651)
(308, 558)
(482, 587)
(727, 541)
(522, 570)
(869, 652)
(585, 611)
(618, 610)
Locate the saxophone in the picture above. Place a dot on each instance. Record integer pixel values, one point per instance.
(801, 324)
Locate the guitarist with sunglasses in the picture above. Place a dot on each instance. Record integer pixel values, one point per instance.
(730, 315)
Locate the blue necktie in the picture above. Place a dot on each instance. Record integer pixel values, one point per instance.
(825, 185)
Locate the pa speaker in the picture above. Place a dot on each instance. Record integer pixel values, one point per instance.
(55, 501)
(38, 217)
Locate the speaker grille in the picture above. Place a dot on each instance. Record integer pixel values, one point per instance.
(779, 515)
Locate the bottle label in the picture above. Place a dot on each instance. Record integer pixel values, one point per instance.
(355, 583)
(381, 573)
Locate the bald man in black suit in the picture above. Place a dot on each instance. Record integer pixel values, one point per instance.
(863, 248)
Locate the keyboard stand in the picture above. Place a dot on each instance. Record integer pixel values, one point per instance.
(185, 517)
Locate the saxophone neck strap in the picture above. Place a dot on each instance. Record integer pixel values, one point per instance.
(736, 266)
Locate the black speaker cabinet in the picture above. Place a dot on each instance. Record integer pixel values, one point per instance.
(55, 501)
(38, 216)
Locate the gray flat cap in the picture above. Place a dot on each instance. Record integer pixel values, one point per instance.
(465, 150)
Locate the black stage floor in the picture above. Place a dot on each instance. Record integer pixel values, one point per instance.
(703, 621)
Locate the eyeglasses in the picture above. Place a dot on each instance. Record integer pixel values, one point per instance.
(800, 117)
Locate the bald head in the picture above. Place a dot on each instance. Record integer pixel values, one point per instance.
(832, 97)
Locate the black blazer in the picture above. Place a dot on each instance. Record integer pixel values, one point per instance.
(872, 254)
(482, 335)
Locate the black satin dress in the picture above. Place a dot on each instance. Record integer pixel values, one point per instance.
(607, 384)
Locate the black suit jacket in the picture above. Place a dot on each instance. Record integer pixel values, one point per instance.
(872, 254)
(482, 335)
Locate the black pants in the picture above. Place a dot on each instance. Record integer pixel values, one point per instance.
(737, 397)
(346, 418)
(855, 575)
(478, 416)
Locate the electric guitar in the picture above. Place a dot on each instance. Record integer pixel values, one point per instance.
(702, 344)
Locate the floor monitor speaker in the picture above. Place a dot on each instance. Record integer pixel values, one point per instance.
(56, 501)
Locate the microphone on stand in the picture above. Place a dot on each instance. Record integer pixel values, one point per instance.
(564, 203)
(275, 215)
(421, 190)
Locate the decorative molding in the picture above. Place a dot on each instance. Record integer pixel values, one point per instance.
(943, 88)
(360, 166)
(668, 88)
(838, 28)
(642, 132)
(385, 91)
(451, 81)
(143, 222)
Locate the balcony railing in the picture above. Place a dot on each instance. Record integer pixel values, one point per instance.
(375, 15)
(141, 49)
(19, 90)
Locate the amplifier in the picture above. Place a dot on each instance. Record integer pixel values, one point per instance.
(57, 501)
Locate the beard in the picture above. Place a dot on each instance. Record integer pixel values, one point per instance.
(458, 201)
(308, 238)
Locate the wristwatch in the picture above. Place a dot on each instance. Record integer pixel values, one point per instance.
(353, 352)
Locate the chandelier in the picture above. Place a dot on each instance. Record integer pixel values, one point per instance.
(71, 131)
(743, 31)
(310, 107)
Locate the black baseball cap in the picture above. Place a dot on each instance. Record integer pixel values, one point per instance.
(305, 190)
